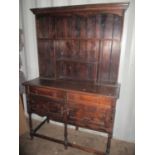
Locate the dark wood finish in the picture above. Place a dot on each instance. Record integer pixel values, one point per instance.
(78, 52)
(107, 89)
(87, 48)
(117, 8)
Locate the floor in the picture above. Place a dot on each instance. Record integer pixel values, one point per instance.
(39, 146)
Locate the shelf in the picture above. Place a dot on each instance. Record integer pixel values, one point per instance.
(89, 39)
(75, 78)
(76, 60)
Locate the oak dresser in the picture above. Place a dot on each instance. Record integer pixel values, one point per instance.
(78, 54)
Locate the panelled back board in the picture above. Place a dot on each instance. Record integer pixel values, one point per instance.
(78, 52)
(79, 45)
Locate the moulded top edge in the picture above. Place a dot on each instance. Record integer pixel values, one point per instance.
(87, 7)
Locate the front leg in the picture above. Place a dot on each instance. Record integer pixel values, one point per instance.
(65, 136)
(30, 126)
(108, 144)
(48, 119)
(76, 128)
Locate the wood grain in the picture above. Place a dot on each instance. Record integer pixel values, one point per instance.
(78, 53)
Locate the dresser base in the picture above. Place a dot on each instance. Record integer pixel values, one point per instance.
(66, 143)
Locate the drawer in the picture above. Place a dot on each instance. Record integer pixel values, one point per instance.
(53, 93)
(96, 116)
(82, 98)
(86, 99)
(45, 106)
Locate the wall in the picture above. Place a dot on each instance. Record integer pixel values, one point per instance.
(124, 127)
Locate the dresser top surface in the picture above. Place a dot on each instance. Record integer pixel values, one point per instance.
(106, 89)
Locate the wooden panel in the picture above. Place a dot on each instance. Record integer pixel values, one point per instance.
(104, 62)
(100, 25)
(46, 58)
(44, 106)
(104, 26)
(115, 56)
(108, 26)
(83, 24)
(52, 27)
(118, 23)
(66, 49)
(96, 111)
(110, 50)
(82, 98)
(77, 50)
(91, 26)
(92, 50)
(76, 71)
(97, 119)
(75, 27)
(77, 60)
(83, 50)
(53, 93)
(42, 26)
(59, 47)
(60, 26)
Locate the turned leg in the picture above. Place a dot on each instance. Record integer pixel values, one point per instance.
(108, 144)
(30, 126)
(65, 136)
(48, 120)
(76, 128)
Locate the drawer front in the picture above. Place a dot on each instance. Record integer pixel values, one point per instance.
(53, 93)
(82, 98)
(93, 115)
(45, 106)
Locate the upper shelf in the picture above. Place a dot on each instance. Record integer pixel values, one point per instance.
(78, 39)
(76, 60)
